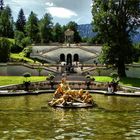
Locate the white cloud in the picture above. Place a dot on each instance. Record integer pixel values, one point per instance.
(19, 2)
(91, 4)
(61, 12)
(50, 4)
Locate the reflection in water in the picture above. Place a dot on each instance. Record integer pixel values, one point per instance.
(114, 118)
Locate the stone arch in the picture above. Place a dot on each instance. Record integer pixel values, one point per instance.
(62, 57)
(69, 59)
(76, 57)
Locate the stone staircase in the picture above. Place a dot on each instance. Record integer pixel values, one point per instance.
(52, 55)
(52, 49)
(38, 56)
(94, 51)
(43, 67)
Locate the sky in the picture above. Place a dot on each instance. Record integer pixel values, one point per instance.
(62, 11)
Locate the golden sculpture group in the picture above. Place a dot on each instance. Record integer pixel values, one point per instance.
(64, 95)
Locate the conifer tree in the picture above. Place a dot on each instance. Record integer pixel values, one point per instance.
(1, 5)
(6, 23)
(58, 34)
(46, 28)
(32, 28)
(21, 21)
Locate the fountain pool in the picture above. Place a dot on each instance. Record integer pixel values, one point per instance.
(115, 117)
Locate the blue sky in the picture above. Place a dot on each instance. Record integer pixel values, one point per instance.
(62, 11)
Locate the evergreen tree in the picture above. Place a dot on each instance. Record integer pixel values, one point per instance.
(46, 28)
(21, 21)
(115, 21)
(1, 5)
(32, 28)
(6, 23)
(58, 33)
(9, 11)
(64, 28)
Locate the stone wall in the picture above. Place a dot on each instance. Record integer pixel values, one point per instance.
(103, 72)
(3, 69)
(44, 85)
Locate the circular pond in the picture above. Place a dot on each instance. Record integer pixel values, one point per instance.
(115, 118)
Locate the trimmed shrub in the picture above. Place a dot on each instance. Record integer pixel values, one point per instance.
(5, 47)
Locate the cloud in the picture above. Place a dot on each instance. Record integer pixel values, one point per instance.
(50, 4)
(61, 12)
(91, 4)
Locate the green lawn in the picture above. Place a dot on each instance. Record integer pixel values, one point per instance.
(20, 56)
(124, 81)
(7, 80)
(135, 82)
(102, 78)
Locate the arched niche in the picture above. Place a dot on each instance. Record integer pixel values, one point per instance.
(62, 57)
(69, 59)
(76, 57)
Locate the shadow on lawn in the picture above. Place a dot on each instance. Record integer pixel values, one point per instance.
(135, 82)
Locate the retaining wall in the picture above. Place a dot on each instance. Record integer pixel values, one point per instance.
(47, 85)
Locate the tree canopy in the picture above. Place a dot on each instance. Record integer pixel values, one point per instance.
(21, 21)
(58, 33)
(45, 26)
(32, 27)
(5, 46)
(1, 5)
(116, 21)
(37, 30)
(6, 23)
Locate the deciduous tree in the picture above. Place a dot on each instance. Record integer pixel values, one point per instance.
(4, 49)
(116, 21)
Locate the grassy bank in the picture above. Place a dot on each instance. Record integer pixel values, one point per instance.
(7, 80)
(20, 57)
(135, 82)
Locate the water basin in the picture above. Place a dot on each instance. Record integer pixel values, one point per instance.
(115, 117)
